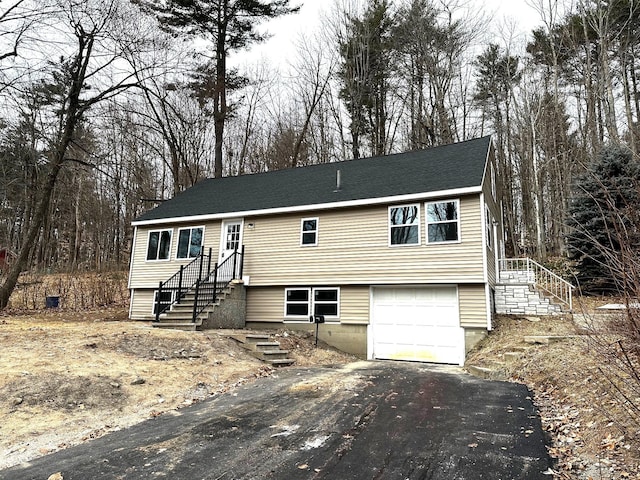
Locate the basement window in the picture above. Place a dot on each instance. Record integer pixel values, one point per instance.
(163, 302)
(300, 303)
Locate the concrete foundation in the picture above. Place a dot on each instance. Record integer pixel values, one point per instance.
(344, 337)
(472, 336)
(231, 310)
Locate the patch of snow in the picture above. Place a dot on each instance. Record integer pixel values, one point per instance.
(315, 443)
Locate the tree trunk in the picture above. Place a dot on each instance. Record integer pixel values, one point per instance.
(220, 96)
(72, 115)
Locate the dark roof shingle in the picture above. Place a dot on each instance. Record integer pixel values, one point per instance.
(449, 167)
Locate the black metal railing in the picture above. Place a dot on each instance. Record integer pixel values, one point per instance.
(208, 288)
(197, 277)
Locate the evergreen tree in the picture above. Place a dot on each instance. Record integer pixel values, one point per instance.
(603, 218)
(228, 25)
(364, 75)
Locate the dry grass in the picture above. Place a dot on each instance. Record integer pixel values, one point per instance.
(76, 291)
(66, 377)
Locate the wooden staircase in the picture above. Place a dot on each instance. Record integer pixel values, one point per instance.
(264, 348)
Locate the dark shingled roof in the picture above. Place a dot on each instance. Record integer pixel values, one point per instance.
(455, 166)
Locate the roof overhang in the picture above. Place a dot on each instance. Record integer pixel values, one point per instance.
(314, 207)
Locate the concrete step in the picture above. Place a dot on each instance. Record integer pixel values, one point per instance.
(547, 339)
(186, 326)
(272, 354)
(250, 338)
(261, 347)
(280, 362)
(265, 346)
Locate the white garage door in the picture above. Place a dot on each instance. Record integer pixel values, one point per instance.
(419, 324)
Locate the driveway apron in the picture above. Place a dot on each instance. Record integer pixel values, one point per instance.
(366, 420)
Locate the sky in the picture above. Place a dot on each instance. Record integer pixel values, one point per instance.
(285, 30)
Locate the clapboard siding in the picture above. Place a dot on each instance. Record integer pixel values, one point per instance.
(146, 274)
(141, 305)
(473, 306)
(493, 252)
(353, 248)
(266, 304)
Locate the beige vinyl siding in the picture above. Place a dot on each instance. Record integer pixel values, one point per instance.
(353, 248)
(266, 304)
(354, 305)
(145, 274)
(473, 306)
(493, 252)
(142, 305)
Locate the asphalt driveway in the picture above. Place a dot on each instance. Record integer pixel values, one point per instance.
(367, 420)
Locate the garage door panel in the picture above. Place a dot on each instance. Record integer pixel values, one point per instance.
(418, 324)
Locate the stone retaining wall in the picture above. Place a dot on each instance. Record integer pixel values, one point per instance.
(522, 299)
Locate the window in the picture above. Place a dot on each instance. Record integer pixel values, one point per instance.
(488, 225)
(303, 302)
(309, 232)
(189, 242)
(404, 225)
(325, 302)
(165, 300)
(159, 245)
(443, 222)
(297, 302)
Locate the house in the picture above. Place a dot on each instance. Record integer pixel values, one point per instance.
(398, 254)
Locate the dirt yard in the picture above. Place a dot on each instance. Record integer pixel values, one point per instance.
(66, 377)
(78, 372)
(595, 435)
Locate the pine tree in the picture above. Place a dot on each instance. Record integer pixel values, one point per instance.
(603, 218)
(228, 25)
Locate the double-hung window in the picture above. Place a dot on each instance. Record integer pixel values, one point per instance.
(443, 221)
(309, 232)
(488, 226)
(300, 303)
(189, 242)
(404, 225)
(159, 245)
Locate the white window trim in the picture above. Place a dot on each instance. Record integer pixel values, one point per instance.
(308, 302)
(155, 294)
(311, 303)
(181, 259)
(418, 224)
(146, 250)
(488, 227)
(316, 231)
(427, 223)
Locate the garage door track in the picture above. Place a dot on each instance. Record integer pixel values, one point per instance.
(366, 420)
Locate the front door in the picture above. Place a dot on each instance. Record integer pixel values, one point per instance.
(231, 239)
